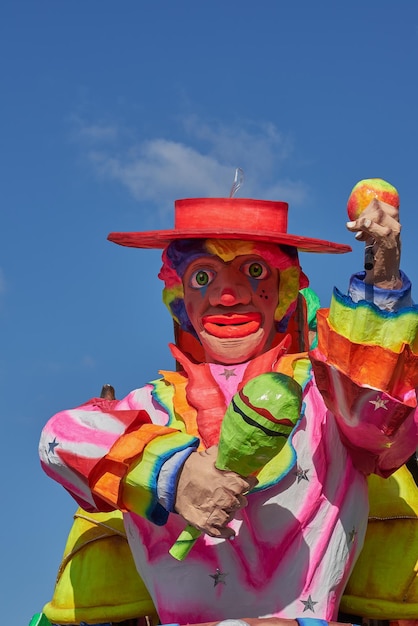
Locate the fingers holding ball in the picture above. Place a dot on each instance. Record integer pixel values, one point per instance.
(373, 209)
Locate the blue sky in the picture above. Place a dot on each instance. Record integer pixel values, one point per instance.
(109, 112)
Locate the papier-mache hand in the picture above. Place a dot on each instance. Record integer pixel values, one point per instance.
(207, 498)
(373, 208)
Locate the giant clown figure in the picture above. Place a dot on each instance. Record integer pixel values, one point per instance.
(277, 527)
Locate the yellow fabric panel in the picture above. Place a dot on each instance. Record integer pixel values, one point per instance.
(97, 581)
(384, 582)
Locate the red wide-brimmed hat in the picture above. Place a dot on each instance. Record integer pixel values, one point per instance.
(228, 218)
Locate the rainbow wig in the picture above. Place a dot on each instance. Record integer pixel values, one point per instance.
(180, 253)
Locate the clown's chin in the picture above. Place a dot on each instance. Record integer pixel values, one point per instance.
(234, 350)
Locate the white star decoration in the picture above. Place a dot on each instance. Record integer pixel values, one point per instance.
(379, 403)
(301, 474)
(52, 445)
(228, 373)
(218, 577)
(309, 604)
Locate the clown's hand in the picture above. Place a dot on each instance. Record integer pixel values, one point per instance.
(208, 498)
(378, 225)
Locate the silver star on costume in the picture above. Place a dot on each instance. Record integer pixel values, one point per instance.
(52, 445)
(352, 535)
(301, 474)
(379, 403)
(309, 604)
(218, 577)
(228, 373)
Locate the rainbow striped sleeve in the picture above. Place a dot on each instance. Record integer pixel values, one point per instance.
(139, 486)
(366, 368)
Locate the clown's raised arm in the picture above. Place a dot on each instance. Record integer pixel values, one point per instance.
(232, 280)
(366, 364)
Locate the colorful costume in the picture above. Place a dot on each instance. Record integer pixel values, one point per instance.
(303, 529)
(315, 505)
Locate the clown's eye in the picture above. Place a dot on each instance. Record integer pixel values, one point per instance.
(201, 278)
(255, 269)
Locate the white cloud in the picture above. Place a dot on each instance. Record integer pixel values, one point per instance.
(202, 163)
(93, 133)
(259, 145)
(160, 167)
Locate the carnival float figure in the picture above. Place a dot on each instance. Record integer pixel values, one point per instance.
(258, 452)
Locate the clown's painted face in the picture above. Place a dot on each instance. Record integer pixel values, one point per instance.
(231, 305)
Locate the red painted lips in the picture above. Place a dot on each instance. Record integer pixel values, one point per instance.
(232, 325)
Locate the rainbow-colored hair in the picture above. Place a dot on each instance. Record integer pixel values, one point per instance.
(179, 254)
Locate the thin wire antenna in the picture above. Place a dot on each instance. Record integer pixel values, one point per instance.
(238, 181)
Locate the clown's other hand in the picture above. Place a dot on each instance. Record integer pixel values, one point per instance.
(208, 498)
(378, 225)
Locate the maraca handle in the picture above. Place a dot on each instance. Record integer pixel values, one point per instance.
(368, 255)
(185, 542)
